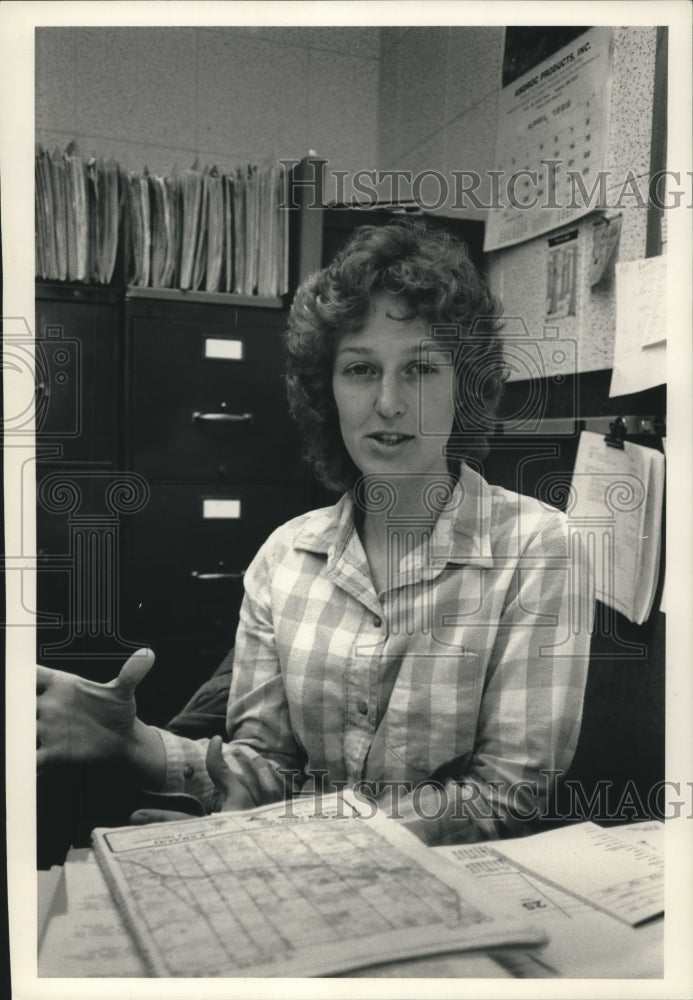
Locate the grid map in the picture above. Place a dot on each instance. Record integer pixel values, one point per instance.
(251, 901)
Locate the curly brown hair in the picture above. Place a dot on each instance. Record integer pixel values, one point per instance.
(433, 276)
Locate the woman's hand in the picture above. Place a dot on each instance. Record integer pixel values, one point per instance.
(237, 789)
(233, 790)
(82, 722)
(166, 807)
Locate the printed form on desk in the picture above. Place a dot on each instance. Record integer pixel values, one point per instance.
(561, 880)
(616, 508)
(283, 892)
(623, 878)
(85, 935)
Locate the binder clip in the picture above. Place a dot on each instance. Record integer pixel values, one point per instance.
(618, 431)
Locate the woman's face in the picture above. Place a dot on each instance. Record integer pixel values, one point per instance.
(395, 401)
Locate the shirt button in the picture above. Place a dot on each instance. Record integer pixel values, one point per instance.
(362, 707)
(377, 622)
(188, 771)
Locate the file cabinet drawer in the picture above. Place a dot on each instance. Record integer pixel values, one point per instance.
(186, 552)
(76, 365)
(80, 514)
(208, 402)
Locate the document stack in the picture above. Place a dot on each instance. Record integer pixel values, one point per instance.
(200, 229)
(77, 217)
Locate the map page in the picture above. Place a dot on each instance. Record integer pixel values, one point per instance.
(292, 891)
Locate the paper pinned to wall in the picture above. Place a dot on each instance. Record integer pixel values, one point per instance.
(561, 278)
(638, 369)
(641, 300)
(606, 232)
(641, 326)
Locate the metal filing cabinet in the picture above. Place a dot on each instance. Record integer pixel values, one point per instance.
(207, 428)
(78, 477)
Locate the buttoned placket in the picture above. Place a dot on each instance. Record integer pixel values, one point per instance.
(348, 569)
(362, 692)
(362, 670)
(366, 697)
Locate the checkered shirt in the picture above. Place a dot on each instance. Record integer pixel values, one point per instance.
(463, 680)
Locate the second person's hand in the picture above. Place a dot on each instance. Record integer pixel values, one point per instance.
(79, 721)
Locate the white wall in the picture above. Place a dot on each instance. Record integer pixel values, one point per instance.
(437, 100)
(162, 97)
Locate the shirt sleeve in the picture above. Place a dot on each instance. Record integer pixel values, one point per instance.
(531, 705)
(262, 751)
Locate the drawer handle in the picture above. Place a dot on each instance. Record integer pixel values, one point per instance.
(196, 575)
(222, 418)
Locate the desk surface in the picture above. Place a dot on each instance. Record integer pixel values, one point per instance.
(83, 936)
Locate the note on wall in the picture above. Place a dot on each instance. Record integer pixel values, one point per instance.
(606, 232)
(641, 326)
(561, 277)
(641, 293)
(552, 141)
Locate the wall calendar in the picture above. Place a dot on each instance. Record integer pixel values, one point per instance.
(552, 142)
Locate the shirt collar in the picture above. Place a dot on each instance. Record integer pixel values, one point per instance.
(328, 530)
(461, 535)
(463, 531)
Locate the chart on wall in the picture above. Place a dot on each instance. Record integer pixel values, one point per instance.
(552, 134)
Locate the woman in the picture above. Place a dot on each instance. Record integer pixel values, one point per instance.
(416, 638)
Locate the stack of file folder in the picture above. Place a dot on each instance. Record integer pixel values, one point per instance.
(199, 229)
(77, 217)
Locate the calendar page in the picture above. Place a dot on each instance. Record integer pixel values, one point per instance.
(552, 142)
